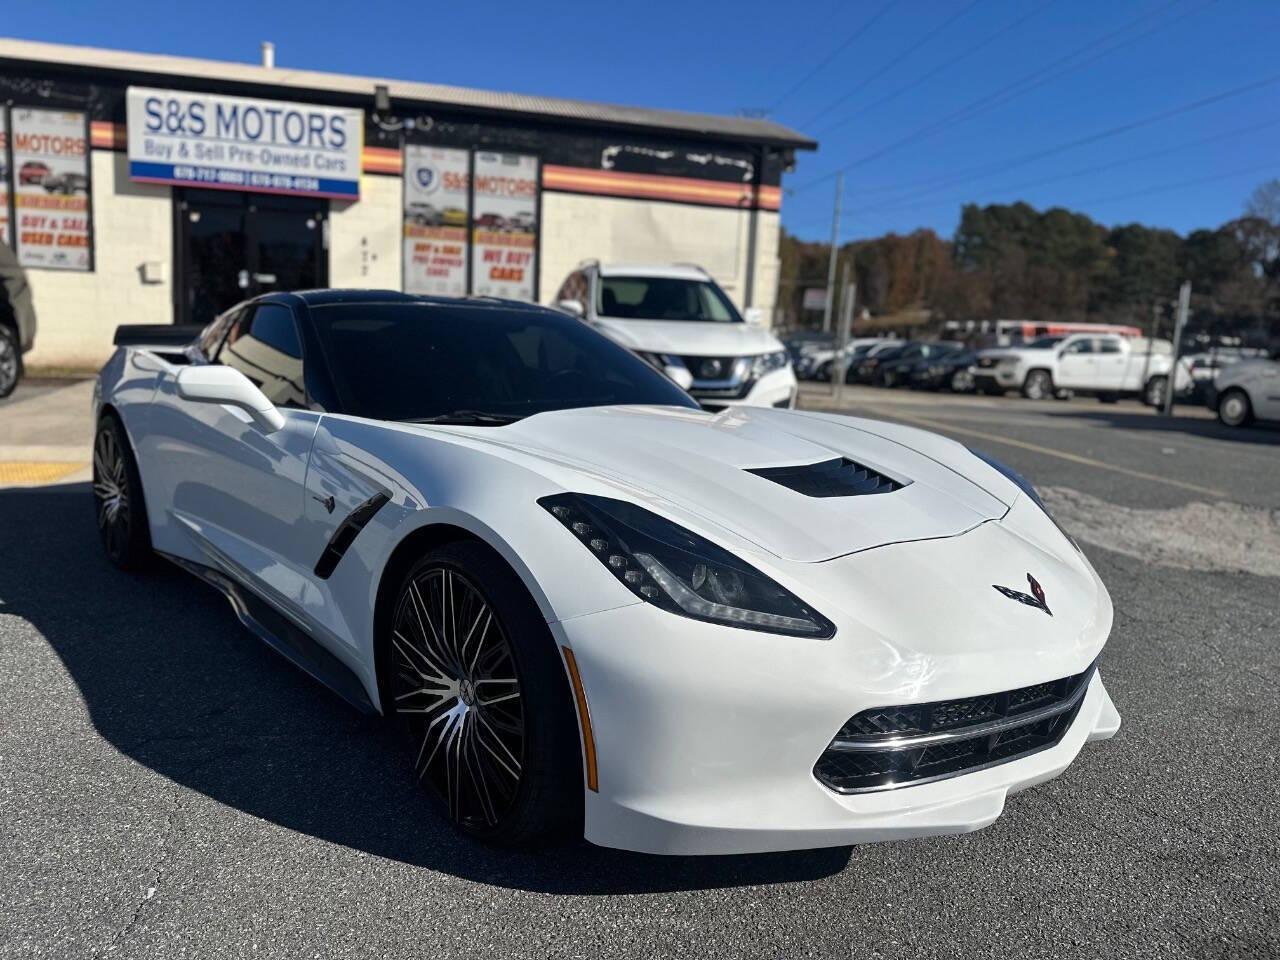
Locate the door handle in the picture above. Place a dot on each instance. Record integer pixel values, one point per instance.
(264, 278)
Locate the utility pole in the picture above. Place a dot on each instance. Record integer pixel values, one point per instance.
(842, 338)
(1184, 303)
(831, 265)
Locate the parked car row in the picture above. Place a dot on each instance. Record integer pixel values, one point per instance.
(1241, 385)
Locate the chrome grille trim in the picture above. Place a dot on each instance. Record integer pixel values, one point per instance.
(887, 748)
(967, 733)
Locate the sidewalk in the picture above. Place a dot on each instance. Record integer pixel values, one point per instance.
(46, 434)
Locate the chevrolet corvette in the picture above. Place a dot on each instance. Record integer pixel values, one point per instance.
(592, 608)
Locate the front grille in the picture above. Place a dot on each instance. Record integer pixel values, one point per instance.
(711, 368)
(887, 747)
(722, 393)
(840, 477)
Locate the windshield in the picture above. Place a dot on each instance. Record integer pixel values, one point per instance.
(663, 298)
(471, 364)
(1043, 343)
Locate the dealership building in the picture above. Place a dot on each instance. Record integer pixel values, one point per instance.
(155, 189)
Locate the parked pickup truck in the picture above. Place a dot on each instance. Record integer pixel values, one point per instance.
(1108, 366)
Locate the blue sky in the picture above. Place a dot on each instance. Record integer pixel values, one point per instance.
(985, 94)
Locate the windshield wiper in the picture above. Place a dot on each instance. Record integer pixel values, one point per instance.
(470, 417)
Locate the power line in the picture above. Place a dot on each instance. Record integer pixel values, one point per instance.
(904, 202)
(1162, 188)
(993, 99)
(834, 53)
(892, 63)
(946, 65)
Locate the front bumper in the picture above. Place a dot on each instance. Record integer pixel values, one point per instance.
(775, 389)
(706, 736)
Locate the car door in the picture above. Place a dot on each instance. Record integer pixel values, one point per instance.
(1077, 364)
(234, 492)
(1110, 361)
(1264, 392)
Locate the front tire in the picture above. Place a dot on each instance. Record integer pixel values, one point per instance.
(1234, 408)
(961, 382)
(475, 681)
(117, 497)
(1038, 385)
(10, 360)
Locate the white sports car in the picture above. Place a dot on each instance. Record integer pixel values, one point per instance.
(593, 607)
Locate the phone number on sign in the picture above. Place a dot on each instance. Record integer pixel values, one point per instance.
(245, 178)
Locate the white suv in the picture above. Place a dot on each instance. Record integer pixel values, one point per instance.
(679, 320)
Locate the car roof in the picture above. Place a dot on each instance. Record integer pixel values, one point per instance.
(678, 271)
(318, 298)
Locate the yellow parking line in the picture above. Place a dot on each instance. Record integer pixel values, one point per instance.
(1062, 455)
(29, 472)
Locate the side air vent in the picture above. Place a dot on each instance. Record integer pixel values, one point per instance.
(840, 477)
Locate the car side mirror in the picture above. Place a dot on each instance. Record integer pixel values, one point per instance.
(753, 316)
(571, 306)
(216, 383)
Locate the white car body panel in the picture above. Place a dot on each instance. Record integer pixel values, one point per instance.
(1259, 379)
(707, 735)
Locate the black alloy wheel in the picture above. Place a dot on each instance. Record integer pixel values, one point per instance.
(117, 498)
(474, 678)
(10, 360)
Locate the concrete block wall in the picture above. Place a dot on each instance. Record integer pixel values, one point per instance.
(365, 237)
(77, 313)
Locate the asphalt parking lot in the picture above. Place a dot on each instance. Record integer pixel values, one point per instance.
(169, 786)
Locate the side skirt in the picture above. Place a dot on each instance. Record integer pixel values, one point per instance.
(282, 636)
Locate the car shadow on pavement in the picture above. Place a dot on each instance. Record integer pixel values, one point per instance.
(172, 680)
(1259, 433)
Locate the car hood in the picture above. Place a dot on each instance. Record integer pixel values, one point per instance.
(690, 337)
(693, 467)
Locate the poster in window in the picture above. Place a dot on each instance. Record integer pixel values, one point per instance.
(4, 180)
(435, 220)
(504, 225)
(51, 188)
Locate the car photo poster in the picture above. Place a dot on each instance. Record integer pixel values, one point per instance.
(436, 183)
(51, 188)
(4, 180)
(504, 225)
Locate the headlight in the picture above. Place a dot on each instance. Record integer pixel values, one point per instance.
(659, 361)
(666, 565)
(768, 362)
(1025, 486)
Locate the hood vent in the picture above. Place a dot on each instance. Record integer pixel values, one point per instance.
(840, 477)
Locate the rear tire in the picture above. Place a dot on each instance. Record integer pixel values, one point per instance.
(490, 722)
(118, 503)
(1153, 393)
(1234, 408)
(1038, 385)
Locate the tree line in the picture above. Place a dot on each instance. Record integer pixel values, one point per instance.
(1012, 261)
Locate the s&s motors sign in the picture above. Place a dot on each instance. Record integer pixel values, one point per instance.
(243, 143)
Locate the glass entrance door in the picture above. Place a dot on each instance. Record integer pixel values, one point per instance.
(233, 246)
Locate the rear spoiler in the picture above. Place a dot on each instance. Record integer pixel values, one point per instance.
(156, 334)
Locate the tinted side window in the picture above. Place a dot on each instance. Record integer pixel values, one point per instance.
(211, 336)
(1109, 345)
(263, 345)
(1080, 346)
